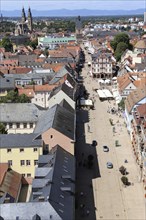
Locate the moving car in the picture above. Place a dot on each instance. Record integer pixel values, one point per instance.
(94, 143)
(105, 148)
(109, 165)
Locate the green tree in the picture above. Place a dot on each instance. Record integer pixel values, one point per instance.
(13, 97)
(121, 47)
(121, 37)
(23, 99)
(33, 43)
(3, 129)
(124, 180)
(120, 43)
(6, 43)
(122, 104)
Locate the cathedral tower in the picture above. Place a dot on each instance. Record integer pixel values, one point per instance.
(29, 19)
(23, 17)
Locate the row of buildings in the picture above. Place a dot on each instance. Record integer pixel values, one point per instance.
(37, 162)
(126, 83)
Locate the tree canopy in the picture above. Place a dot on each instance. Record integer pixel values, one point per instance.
(6, 43)
(3, 129)
(33, 43)
(13, 97)
(120, 43)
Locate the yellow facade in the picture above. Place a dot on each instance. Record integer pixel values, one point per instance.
(16, 157)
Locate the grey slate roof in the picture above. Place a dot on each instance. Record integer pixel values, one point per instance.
(58, 194)
(59, 119)
(58, 182)
(7, 83)
(66, 89)
(19, 140)
(66, 105)
(19, 112)
(26, 211)
(46, 76)
(61, 73)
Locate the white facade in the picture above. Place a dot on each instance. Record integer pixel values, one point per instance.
(20, 128)
(127, 90)
(41, 99)
(102, 68)
(129, 116)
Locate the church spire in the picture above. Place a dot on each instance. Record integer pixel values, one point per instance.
(29, 19)
(23, 17)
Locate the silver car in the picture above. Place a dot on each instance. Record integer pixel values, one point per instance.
(109, 165)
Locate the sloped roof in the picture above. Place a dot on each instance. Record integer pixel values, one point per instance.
(141, 44)
(57, 118)
(7, 83)
(43, 88)
(28, 92)
(19, 140)
(3, 170)
(134, 97)
(11, 183)
(66, 89)
(124, 81)
(66, 105)
(142, 110)
(19, 112)
(54, 194)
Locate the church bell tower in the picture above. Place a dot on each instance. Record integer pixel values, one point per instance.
(29, 19)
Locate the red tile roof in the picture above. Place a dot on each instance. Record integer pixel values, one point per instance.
(3, 170)
(27, 91)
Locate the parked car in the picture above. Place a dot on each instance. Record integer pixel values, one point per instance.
(109, 165)
(94, 143)
(105, 148)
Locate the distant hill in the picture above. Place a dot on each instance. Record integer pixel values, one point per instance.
(81, 12)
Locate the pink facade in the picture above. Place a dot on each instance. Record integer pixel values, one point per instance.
(53, 137)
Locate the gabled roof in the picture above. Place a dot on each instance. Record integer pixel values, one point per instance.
(134, 97)
(141, 44)
(28, 92)
(66, 105)
(61, 73)
(19, 112)
(3, 170)
(19, 140)
(50, 184)
(65, 88)
(124, 81)
(142, 110)
(57, 118)
(44, 88)
(11, 183)
(7, 83)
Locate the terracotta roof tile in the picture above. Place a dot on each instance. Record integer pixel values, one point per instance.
(43, 88)
(134, 97)
(28, 92)
(3, 170)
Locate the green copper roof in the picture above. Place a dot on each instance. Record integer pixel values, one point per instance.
(56, 39)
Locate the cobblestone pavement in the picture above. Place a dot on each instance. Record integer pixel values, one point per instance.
(100, 193)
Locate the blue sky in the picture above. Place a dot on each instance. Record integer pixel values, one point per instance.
(69, 4)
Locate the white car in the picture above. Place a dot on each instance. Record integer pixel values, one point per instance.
(105, 148)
